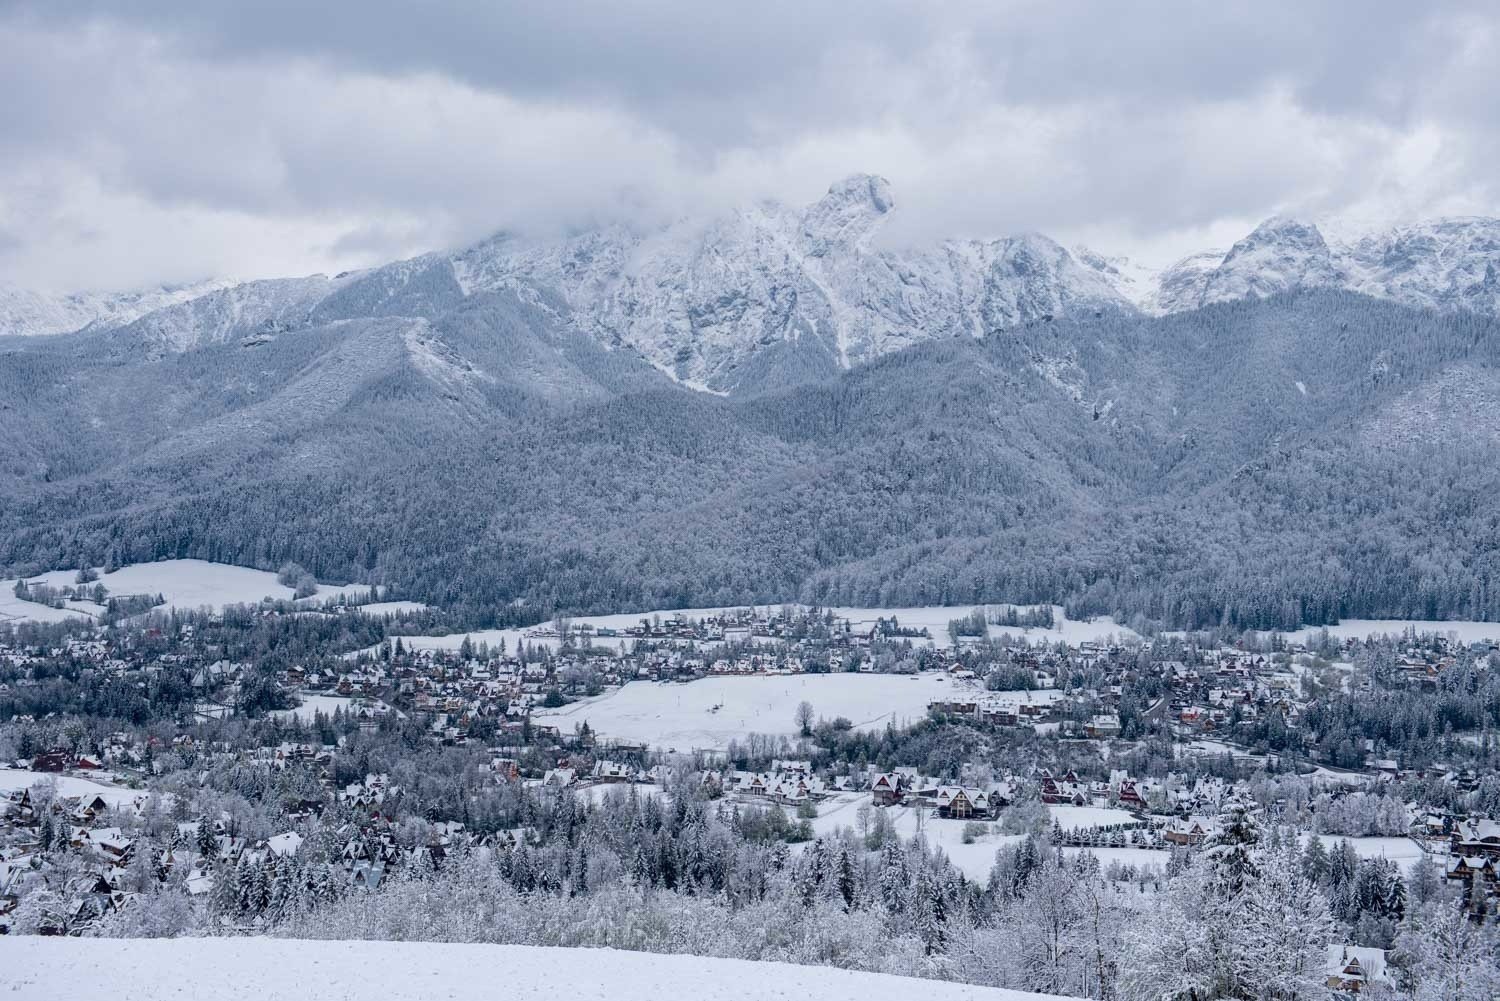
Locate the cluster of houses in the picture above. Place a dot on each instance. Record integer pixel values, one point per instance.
(40, 828)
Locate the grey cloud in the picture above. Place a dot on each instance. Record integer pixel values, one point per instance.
(789, 59)
(338, 134)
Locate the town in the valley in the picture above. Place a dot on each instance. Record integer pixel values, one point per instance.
(254, 761)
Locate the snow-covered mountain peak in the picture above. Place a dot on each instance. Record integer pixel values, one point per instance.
(1279, 255)
(848, 215)
(1285, 229)
(771, 293)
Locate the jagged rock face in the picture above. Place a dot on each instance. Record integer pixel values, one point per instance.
(1279, 256)
(1444, 264)
(770, 294)
(703, 302)
(1182, 286)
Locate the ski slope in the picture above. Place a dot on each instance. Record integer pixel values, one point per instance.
(260, 969)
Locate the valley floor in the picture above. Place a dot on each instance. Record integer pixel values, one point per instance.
(260, 969)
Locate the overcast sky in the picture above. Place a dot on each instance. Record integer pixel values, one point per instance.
(168, 141)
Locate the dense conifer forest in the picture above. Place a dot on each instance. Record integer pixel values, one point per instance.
(1253, 464)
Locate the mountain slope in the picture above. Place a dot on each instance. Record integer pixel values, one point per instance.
(1236, 463)
(26, 312)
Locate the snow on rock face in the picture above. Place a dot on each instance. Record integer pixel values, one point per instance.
(1281, 255)
(770, 294)
(1181, 286)
(1443, 264)
(28, 313)
(711, 303)
(847, 216)
(269, 969)
(261, 308)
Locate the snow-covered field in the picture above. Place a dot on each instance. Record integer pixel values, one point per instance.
(391, 607)
(1464, 632)
(973, 860)
(13, 779)
(597, 794)
(934, 618)
(13, 609)
(311, 705)
(976, 859)
(1072, 817)
(1403, 851)
(260, 969)
(186, 584)
(488, 637)
(708, 713)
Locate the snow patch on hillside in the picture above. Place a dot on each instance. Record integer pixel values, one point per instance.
(186, 584)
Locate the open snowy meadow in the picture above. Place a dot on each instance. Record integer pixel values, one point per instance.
(933, 618)
(1358, 629)
(16, 779)
(707, 714)
(264, 969)
(185, 584)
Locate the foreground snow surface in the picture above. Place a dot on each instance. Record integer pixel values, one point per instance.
(258, 969)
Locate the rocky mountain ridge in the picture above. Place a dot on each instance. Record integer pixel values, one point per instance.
(769, 295)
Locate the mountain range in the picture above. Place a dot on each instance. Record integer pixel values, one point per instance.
(772, 408)
(768, 295)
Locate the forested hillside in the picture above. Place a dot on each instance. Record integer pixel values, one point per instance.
(1257, 463)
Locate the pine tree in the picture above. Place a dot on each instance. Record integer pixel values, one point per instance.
(208, 842)
(224, 898)
(895, 882)
(845, 879)
(1426, 883)
(1315, 860)
(1230, 851)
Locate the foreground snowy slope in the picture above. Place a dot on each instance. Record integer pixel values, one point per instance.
(254, 969)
